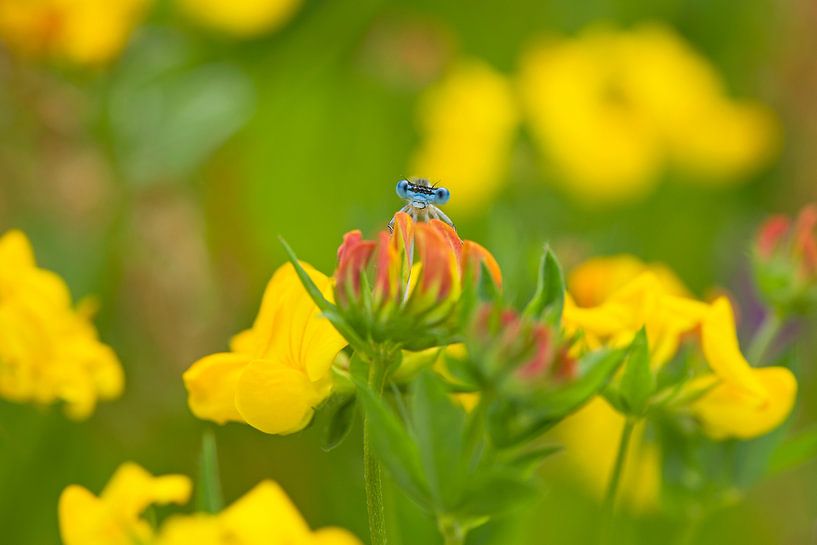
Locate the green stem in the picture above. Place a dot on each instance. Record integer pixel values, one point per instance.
(372, 474)
(765, 336)
(615, 479)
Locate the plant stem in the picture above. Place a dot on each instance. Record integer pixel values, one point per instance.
(453, 533)
(764, 337)
(615, 479)
(372, 474)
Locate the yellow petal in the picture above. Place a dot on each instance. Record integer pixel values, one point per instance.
(728, 410)
(720, 346)
(198, 529)
(211, 386)
(290, 327)
(265, 515)
(275, 398)
(334, 536)
(132, 489)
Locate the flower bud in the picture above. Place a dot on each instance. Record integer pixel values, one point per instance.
(785, 261)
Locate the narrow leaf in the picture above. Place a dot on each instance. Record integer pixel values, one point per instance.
(637, 380)
(496, 493)
(342, 417)
(548, 301)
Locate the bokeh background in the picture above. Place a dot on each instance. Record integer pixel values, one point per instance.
(154, 152)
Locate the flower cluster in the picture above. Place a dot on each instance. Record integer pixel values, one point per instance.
(606, 111)
(610, 301)
(263, 516)
(49, 351)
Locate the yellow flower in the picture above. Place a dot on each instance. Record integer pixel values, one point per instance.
(743, 401)
(467, 126)
(48, 351)
(263, 516)
(80, 31)
(241, 17)
(623, 295)
(278, 371)
(113, 518)
(606, 110)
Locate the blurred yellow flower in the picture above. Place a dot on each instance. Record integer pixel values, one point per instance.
(263, 516)
(743, 402)
(85, 32)
(278, 371)
(241, 17)
(467, 125)
(48, 350)
(622, 295)
(113, 518)
(608, 111)
(729, 398)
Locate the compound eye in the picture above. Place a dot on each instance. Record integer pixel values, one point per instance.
(402, 189)
(442, 195)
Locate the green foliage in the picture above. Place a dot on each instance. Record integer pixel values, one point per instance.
(342, 411)
(637, 381)
(208, 488)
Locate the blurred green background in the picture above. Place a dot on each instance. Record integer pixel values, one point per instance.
(160, 182)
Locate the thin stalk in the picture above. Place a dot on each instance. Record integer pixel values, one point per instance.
(453, 532)
(764, 337)
(372, 474)
(615, 479)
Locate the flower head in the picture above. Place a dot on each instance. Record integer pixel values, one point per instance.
(417, 275)
(279, 370)
(49, 351)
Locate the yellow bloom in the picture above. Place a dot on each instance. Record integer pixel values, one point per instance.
(263, 516)
(278, 371)
(467, 126)
(743, 402)
(606, 110)
(241, 17)
(48, 351)
(80, 31)
(622, 295)
(113, 518)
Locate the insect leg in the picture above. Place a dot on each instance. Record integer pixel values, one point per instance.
(441, 215)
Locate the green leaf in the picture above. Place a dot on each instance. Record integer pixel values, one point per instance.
(548, 301)
(208, 492)
(495, 493)
(342, 416)
(487, 288)
(637, 382)
(439, 426)
(393, 445)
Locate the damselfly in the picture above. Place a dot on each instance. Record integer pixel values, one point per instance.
(422, 200)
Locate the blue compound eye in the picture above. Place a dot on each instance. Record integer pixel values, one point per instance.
(402, 189)
(441, 195)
